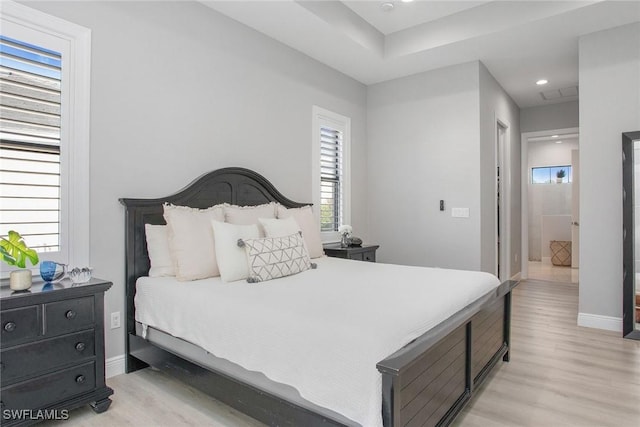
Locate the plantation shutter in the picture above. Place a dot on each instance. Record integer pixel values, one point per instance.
(30, 84)
(331, 175)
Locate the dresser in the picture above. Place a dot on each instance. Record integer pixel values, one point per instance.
(52, 351)
(360, 253)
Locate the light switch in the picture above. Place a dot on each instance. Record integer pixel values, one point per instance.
(460, 212)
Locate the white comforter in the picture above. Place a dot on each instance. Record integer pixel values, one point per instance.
(321, 331)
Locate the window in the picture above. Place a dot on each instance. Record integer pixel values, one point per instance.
(44, 133)
(551, 175)
(331, 139)
(30, 143)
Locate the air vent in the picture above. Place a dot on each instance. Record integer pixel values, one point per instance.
(555, 94)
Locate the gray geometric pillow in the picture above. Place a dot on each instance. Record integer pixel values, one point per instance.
(274, 257)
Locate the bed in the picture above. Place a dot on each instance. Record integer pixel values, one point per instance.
(425, 381)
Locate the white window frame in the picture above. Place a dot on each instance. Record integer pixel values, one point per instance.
(323, 117)
(74, 43)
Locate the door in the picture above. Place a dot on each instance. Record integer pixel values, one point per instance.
(575, 209)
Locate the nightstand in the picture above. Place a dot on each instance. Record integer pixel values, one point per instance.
(52, 351)
(360, 253)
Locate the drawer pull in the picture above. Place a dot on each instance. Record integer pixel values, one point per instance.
(70, 314)
(10, 327)
(80, 347)
(80, 379)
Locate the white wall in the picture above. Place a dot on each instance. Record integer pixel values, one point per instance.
(178, 90)
(609, 105)
(547, 199)
(547, 117)
(497, 105)
(424, 146)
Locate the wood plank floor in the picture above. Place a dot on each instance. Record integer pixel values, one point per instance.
(559, 375)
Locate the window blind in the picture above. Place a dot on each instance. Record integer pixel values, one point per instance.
(30, 85)
(331, 176)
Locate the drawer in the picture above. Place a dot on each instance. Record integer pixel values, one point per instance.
(369, 256)
(68, 316)
(357, 256)
(47, 389)
(45, 355)
(20, 325)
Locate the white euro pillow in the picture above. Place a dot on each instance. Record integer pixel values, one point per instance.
(232, 259)
(245, 215)
(191, 240)
(274, 227)
(158, 250)
(308, 225)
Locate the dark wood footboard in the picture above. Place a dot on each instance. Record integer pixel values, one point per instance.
(428, 382)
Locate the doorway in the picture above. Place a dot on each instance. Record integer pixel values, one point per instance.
(550, 205)
(502, 217)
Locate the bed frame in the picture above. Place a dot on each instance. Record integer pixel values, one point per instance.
(427, 382)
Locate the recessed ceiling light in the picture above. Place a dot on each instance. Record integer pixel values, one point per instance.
(554, 136)
(386, 6)
(558, 142)
(542, 82)
(407, 1)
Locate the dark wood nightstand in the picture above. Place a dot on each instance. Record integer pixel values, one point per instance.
(360, 253)
(52, 350)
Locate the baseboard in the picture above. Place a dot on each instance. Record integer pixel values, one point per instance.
(546, 260)
(115, 366)
(600, 322)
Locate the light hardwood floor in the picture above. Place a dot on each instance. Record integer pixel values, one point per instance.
(552, 273)
(559, 375)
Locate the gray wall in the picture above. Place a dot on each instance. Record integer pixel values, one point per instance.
(549, 117)
(431, 136)
(424, 146)
(609, 105)
(177, 90)
(496, 104)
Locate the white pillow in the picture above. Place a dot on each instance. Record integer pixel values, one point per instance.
(158, 250)
(232, 259)
(307, 223)
(245, 215)
(274, 227)
(191, 240)
(274, 257)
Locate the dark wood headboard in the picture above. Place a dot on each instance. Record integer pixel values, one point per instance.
(237, 186)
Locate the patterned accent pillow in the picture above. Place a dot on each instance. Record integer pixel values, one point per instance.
(274, 257)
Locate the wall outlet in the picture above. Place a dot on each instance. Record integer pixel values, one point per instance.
(115, 320)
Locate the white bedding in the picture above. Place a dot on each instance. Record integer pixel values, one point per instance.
(321, 331)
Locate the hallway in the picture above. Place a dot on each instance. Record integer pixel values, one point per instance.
(551, 273)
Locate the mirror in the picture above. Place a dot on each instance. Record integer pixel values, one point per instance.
(631, 242)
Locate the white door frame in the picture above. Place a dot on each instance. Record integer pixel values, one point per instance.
(503, 156)
(524, 167)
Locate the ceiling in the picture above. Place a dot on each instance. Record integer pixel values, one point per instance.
(519, 42)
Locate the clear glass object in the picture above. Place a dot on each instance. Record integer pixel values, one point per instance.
(80, 275)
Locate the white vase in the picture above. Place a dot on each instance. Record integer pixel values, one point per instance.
(20, 280)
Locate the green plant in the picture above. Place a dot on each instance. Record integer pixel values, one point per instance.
(16, 252)
(560, 173)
